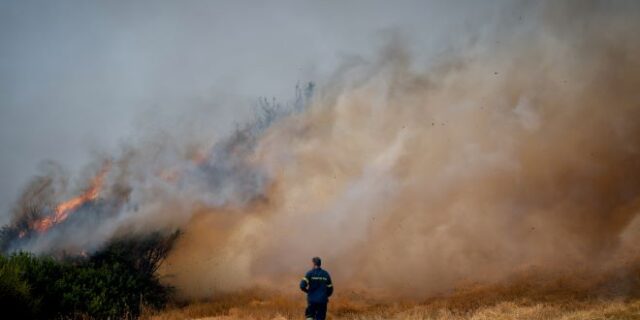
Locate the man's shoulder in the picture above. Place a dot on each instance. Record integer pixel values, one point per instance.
(320, 272)
(317, 272)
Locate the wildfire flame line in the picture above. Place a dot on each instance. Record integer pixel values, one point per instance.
(64, 209)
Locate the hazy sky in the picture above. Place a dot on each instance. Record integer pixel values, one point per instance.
(78, 76)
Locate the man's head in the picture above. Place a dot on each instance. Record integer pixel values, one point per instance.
(316, 262)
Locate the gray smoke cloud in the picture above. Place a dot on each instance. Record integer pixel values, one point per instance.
(77, 77)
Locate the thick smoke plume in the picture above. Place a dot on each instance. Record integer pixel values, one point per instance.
(517, 149)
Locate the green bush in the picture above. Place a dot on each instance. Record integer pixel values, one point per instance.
(110, 284)
(14, 290)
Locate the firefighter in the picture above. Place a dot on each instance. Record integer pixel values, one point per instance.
(317, 284)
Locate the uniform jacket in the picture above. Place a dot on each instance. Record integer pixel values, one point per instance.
(317, 284)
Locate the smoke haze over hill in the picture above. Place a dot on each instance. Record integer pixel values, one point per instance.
(515, 147)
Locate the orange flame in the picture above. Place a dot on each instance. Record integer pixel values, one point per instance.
(63, 209)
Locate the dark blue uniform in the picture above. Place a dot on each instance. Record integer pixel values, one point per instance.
(317, 284)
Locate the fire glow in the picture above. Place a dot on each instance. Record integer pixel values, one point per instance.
(64, 209)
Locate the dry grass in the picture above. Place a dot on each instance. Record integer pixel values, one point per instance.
(518, 309)
(527, 297)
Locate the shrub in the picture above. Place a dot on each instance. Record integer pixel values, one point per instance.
(113, 283)
(14, 290)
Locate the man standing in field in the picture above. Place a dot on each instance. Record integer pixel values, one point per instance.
(317, 284)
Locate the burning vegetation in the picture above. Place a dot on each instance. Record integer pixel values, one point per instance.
(64, 209)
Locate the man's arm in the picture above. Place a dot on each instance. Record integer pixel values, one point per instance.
(304, 284)
(329, 286)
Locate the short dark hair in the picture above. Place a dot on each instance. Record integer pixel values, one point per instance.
(316, 261)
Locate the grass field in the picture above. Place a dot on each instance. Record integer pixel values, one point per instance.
(526, 298)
